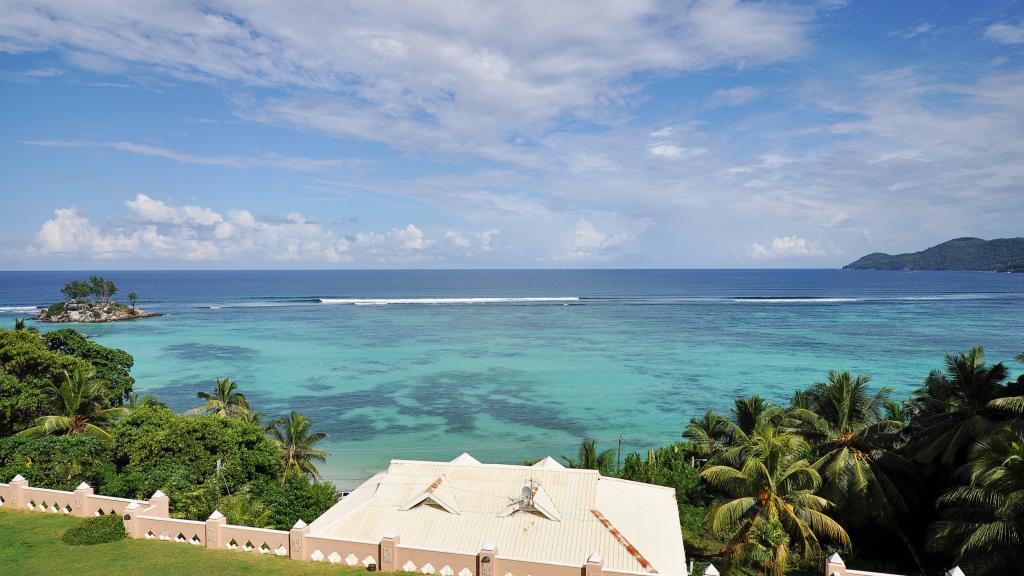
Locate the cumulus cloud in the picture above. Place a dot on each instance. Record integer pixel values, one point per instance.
(1006, 33)
(590, 243)
(158, 230)
(785, 247)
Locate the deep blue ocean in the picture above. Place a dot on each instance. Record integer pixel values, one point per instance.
(521, 364)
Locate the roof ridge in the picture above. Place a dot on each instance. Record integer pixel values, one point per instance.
(497, 465)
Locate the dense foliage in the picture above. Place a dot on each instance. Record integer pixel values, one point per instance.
(958, 254)
(906, 487)
(95, 531)
(29, 369)
(59, 462)
(111, 364)
(68, 414)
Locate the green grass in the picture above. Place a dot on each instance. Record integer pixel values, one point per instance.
(32, 545)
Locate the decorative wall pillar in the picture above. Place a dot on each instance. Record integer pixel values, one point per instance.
(131, 524)
(297, 541)
(594, 565)
(835, 566)
(18, 485)
(160, 505)
(486, 561)
(80, 501)
(389, 552)
(214, 523)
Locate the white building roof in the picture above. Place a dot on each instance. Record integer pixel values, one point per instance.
(545, 513)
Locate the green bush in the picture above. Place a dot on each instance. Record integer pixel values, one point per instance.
(95, 531)
(57, 462)
(27, 368)
(112, 365)
(55, 309)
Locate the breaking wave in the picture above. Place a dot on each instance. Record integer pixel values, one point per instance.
(18, 309)
(386, 301)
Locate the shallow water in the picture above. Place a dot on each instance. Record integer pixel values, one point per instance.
(510, 365)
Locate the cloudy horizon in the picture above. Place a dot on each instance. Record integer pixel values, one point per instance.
(698, 134)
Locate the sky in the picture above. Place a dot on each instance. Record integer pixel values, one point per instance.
(519, 134)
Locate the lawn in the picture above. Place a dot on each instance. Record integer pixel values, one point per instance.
(31, 545)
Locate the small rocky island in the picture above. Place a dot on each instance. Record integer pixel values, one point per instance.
(92, 301)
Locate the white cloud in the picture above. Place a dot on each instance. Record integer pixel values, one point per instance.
(590, 243)
(457, 240)
(785, 247)
(913, 31)
(1006, 33)
(151, 210)
(270, 160)
(157, 230)
(675, 152)
(481, 241)
(412, 75)
(735, 96)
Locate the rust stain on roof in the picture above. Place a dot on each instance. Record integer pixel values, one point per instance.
(625, 543)
(435, 485)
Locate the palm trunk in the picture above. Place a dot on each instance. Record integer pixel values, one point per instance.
(911, 550)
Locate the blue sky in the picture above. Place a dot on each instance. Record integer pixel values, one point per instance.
(704, 133)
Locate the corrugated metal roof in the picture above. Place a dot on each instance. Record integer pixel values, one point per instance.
(640, 533)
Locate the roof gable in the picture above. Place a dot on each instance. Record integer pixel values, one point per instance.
(533, 499)
(440, 493)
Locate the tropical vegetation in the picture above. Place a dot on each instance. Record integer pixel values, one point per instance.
(68, 414)
(771, 488)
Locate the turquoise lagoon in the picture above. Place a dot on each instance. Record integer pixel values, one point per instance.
(509, 365)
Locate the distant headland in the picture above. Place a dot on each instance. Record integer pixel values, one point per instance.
(999, 255)
(101, 308)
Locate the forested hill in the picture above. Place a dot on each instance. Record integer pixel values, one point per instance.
(1001, 254)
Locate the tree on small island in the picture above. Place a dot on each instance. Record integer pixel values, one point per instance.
(102, 289)
(76, 290)
(98, 287)
(92, 301)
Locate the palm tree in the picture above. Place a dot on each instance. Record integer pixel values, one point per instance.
(588, 457)
(225, 401)
(962, 405)
(79, 404)
(855, 448)
(709, 430)
(747, 414)
(135, 401)
(749, 411)
(298, 444)
(775, 483)
(984, 521)
(251, 417)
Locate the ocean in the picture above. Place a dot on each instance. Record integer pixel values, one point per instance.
(517, 364)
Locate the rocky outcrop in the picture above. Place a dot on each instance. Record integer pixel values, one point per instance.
(84, 311)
